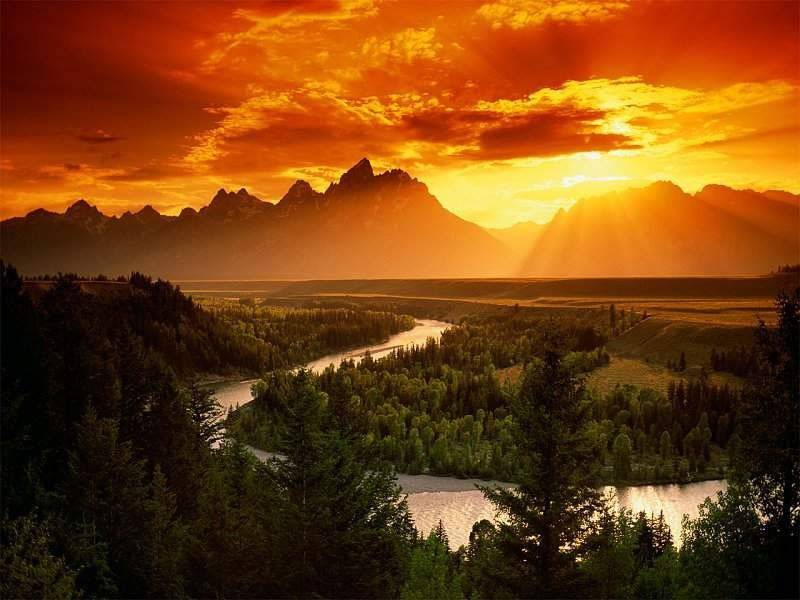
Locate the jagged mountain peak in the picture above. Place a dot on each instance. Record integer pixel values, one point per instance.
(148, 211)
(359, 173)
(84, 213)
(300, 195)
(229, 204)
(81, 207)
(300, 189)
(232, 199)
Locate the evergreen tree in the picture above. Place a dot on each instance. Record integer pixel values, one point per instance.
(432, 572)
(345, 531)
(547, 519)
(622, 457)
(768, 461)
(28, 567)
(610, 563)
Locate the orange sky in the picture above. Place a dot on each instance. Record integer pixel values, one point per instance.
(507, 109)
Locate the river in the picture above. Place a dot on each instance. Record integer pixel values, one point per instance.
(231, 395)
(458, 510)
(456, 501)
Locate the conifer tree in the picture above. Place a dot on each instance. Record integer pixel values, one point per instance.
(345, 531)
(549, 516)
(432, 572)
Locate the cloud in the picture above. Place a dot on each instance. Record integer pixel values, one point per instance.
(752, 136)
(301, 118)
(251, 115)
(98, 136)
(405, 46)
(278, 23)
(536, 132)
(520, 14)
(547, 134)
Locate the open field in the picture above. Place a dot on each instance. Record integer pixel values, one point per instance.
(627, 371)
(630, 371)
(658, 340)
(734, 301)
(515, 289)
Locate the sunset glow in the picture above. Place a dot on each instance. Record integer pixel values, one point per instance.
(507, 110)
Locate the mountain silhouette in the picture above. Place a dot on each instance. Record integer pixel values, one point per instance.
(386, 225)
(364, 225)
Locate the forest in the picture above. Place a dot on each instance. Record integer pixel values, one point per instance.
(291, 337)
(118, 482)
(442, 408)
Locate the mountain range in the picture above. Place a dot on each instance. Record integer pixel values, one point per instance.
(389, 225)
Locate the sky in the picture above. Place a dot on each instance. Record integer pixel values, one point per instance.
(507, 109)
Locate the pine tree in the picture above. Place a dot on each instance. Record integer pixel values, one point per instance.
(345, 531)
(548, 517)
(440, 532)
(622, 457)
(432, 572)
(768, 460)
(28, 567)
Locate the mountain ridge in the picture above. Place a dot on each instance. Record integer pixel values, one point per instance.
(390, 225)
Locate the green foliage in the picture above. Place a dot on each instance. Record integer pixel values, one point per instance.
(611, 562)
(769, 453)
(722, 552)
(631, 557)
(28, 567)
(622, 457)
(436, 408)
(432, 572)
(746, 543)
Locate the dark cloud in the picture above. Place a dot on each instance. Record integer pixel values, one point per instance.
(72, 167)
(547, 134)
(498, 136)
(447, 126)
